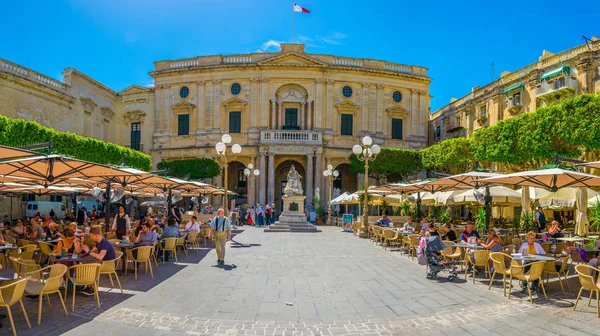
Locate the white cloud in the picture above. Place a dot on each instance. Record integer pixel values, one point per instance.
(320, 41)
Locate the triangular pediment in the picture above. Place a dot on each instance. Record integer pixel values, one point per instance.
(398, 110)
(135, 89)
(347, 105)
(235, 101)
(183, 105)
(293, 59)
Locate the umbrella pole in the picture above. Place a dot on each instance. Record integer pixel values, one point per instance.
(169, 204)
(488, 208)
(107, 207)
(418, 206)
(74, 201)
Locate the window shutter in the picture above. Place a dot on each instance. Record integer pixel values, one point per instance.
(183, 124)
(397, 129)
(347, 124)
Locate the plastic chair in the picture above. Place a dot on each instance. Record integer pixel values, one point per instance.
(46, 281)
(499, 262)
(10, 295)
(388, 236)
(449, 249)
(170, 245)
(190, 240)
(24, 266)
(535, 273)
(508, 249)
(181, 244)
(143, 256)
(23, 242)
(154, 253)
(559, 248)
(45, 250)
(85, 275)
(413, 245)
(114, 242)
(27, 252)
(482, 258)
(546, 247)
(576, 258)
(205, 232)
(586, 278)
(109, 267)
(550, 268)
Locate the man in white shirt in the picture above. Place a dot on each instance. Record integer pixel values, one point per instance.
(193, 225)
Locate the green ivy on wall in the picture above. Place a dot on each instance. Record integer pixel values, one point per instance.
(192, 168)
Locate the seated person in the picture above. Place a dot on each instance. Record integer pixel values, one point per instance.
(69, 242)
(154, 226)
(384, 221)
(193, 225)
(531, 247)
(20, 229)
(468, 233)
(146, 236)
(52, 232)
(409, 226)
(431, 231)
(554, 231)
(171, 231)
(450, 234)
(424, 226)
(103, 250)
(570, 248)
(493, 242)
(36, 230)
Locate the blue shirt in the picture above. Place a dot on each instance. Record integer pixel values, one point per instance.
(384, 222)
(148, 238)
(105, 245)
(223, 224)
(170, 232)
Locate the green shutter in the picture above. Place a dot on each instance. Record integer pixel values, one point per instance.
(235, 122)
(513, 88)
(397, 129)
(347, 124)
(291, 118)
(183, 124)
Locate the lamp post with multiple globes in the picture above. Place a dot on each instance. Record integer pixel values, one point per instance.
(331, 175)
(250, 172)
(366, 152)
(224, 157)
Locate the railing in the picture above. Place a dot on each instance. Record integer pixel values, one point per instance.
(513, 102)
(308, 137)
(397, 68)
(235, 59)
(10, 67)
(185, 63)
(348, 62)
(563, 83)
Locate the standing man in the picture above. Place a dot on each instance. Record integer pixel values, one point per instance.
(274, 214)
(121, 223)
(268, 214)
(259, 215)
(221, 231)
(540, 219)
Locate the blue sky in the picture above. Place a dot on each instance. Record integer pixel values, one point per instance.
(116, 42)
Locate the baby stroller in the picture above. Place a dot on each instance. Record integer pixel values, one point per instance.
(433, 246)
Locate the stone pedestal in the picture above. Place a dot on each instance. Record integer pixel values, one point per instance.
(292, 218)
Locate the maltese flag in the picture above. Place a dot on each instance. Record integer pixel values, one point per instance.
(297, 8)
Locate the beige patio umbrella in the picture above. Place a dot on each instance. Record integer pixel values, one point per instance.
(500, 196)
(548, 178)
(13, 153)
(581, 227)
(565, 198)
(43, 190)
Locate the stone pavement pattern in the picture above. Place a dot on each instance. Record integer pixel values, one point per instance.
(330, 283)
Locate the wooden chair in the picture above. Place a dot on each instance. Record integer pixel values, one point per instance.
(144, 255)
(109, 267)
(587, 275)
(45, 251)
(170, 245)
(482, 259)
(499, 261)
(46, 281)
(11, 294)
(517, 271)
(550, 268)
(85, 275)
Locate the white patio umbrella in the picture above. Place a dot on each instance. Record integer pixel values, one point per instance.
(581, 227)
(548, 178)
(593, 200)
(500, 196)
(338, 199)
(565, 198)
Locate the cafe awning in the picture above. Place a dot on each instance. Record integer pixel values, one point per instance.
(563, 69)
(514, 88)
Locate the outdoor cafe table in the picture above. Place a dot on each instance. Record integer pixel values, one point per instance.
(124, 248)
(69, 258)
(469, 246)
(532, 257)
(7, 274)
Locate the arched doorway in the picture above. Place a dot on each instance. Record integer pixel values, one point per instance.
(281, 178)
(237, 181)
(346, 180)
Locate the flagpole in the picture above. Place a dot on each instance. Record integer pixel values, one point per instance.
(292, 22)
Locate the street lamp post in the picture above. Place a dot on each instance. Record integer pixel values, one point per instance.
(330, 174)
(224, 158)
(250, 173)
(366, 152)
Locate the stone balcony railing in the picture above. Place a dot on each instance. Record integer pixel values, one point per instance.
(21, 71)
(563, 84)
(291, 137)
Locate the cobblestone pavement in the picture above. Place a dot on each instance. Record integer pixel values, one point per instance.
(328, 283)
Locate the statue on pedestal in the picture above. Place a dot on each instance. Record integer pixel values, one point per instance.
(293, 185)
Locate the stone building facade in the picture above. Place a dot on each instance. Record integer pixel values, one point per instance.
(551, 78)
(283, 108)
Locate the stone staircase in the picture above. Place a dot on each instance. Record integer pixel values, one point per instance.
(292, 222)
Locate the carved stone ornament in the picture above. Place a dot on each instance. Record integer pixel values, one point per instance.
(88, 104)
(107, 113)
(134, 116)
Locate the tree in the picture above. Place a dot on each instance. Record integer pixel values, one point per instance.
(191, 168)
(399, 161)
(452, 156)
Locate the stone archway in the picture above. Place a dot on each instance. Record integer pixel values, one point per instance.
(237, 181)
(281, 178)
(291, 108)
(346, 181)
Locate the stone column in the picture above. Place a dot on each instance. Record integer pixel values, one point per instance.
(414, 112)
(364, 122)
(302, 115)
(329, 109)
(379, 108)
(309, 111)
(262, 179)
(319, 103)
(325, 183)
(264, 105)
(271, 180)
(200, 106)
(279, 115)
(166, 109)
(208, 117)
(273, 113)
(253, 103)
(309, 179)
(217, 104)
(319, 176)
(252, 183)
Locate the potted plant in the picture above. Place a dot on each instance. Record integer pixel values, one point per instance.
(480, 220)
(319, 210)
(443, 216)
(595, 217)
(527, 221)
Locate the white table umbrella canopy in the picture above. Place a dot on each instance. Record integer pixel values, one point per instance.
(550, 179)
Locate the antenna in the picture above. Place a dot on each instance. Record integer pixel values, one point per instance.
(587, 42)
(493, 75)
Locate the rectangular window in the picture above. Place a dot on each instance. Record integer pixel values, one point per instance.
(136, 134)
(483, 112)
(347, 124)
(242, 181)
(183, 124)
(458, 121)
(397, 129)
(438, 131)
(235, 122)
(559, 83)
(54, 198)
(28, 197)
(291, 119)
(517, 99)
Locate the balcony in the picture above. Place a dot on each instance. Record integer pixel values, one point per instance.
(291, 137)
(453, 126)
(514, 105)
(559, 88)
